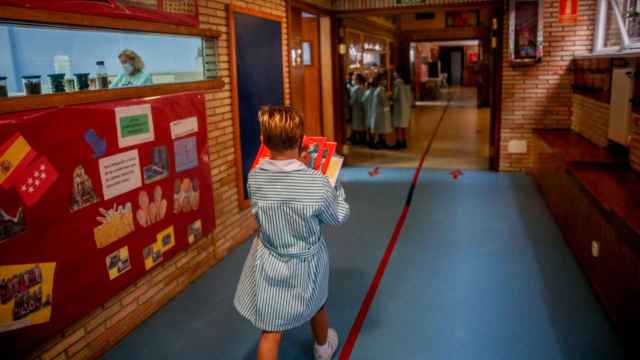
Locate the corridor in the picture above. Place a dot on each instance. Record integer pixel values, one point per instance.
(480, 271)
(462, 141)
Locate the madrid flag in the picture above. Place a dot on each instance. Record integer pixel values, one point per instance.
(15, 155)
(36, 180)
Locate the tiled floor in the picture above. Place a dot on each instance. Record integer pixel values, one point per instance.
(462, 142)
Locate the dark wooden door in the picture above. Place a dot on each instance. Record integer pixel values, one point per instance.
(311, 62)
(296, 66)
(495, 83)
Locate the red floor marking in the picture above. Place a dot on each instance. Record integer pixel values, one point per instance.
(350, 342)
(455, 174)
(373, 288)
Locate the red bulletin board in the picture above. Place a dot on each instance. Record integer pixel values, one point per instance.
(179, 12)
(86, 135)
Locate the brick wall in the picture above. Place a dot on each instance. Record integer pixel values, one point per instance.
(108, 324)
(590, 118)
(539, 96)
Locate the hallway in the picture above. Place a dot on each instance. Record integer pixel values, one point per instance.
(462, 142)
(480, 271)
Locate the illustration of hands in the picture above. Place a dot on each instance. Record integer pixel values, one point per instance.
(151, 212)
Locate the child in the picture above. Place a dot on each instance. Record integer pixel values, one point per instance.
(358, 121)
(366, 100)
(285, 279)
(402, 101)
(380, 113)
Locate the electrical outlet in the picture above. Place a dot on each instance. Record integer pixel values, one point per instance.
(595, 249)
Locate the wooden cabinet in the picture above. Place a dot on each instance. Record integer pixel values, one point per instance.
(605, 246)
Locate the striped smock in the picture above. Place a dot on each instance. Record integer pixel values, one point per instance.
(285, 279)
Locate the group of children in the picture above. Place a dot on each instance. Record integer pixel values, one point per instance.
(375, 114)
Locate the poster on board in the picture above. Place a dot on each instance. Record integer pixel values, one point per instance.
(26, 295)
(120, 173)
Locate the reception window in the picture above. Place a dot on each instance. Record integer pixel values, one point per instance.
(38, 59)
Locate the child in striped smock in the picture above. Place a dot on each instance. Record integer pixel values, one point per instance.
(285, 279)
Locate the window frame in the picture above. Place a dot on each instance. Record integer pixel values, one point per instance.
(10, 14)
(627, 44)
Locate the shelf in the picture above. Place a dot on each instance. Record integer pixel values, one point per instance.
(23, 103)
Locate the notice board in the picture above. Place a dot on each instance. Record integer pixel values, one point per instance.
(93, 197)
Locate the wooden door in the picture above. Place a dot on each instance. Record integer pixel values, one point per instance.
(311, 62)
(495, 83)
(296, 66)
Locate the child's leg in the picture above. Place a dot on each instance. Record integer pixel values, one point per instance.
(269, 345)
(320, 326)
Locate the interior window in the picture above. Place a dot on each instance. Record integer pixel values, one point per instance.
(618, 26)
(44, 59)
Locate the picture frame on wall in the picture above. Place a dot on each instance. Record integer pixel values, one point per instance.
(461, 19)
(525, 31)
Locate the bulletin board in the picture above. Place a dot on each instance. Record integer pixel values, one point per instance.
(93, 197)
(179, 12)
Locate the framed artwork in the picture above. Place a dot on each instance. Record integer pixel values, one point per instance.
(459, 19)
(525, 31)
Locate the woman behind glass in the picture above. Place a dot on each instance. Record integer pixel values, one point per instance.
(133, 67)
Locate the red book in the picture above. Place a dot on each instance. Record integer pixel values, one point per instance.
(263, 153)
(314, 145)
(36, 180)
(327, 155)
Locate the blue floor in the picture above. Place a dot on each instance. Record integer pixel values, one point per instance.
(480, 272)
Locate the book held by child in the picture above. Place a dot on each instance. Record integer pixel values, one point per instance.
(322, 154)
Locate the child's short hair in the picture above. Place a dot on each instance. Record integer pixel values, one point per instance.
(281, 127)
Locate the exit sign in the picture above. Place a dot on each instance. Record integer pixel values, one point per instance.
(410, 2)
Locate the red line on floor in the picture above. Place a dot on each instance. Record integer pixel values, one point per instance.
(350, 342)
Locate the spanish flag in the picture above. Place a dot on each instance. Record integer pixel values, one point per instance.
(15, 155)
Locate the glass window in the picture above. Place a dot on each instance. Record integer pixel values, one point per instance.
(618, 26)
(43, 59)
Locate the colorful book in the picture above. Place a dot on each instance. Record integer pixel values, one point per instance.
(263, 153)
(333, 168)
(322, 153)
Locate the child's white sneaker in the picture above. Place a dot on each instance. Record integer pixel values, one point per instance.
(326, 351)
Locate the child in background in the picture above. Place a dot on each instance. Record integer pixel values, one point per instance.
(402, 102)
(285, 279)
(358, 121)
(381, 113)
(366, 101)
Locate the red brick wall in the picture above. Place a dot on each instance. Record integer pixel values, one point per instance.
(108, 324)
(539, 96)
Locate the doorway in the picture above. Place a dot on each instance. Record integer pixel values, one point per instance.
(311, 69)
(257, 78)
(452, 64)
(454, 60)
